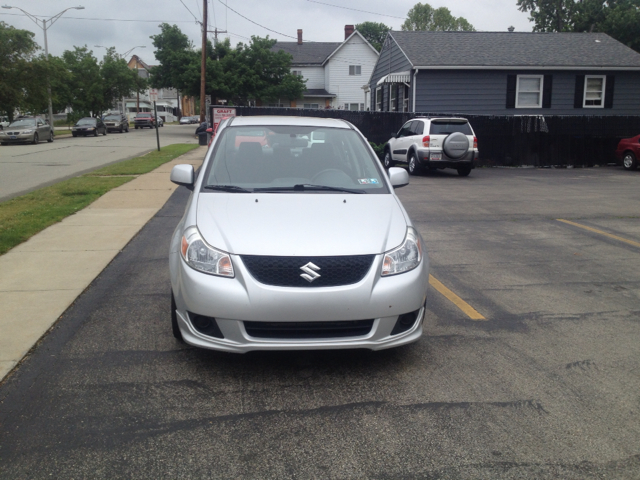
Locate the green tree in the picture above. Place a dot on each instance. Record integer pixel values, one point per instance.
(17, 51)
(618, 18)
(374, 32)
(550, 15)
(117, 79)
(175, 53)
(425, 17)
(85, 83)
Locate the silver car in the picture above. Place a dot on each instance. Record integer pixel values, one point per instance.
(26, 130)
(287, 245)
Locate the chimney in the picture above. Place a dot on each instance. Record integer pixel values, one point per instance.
(511, 29)
(348, 30)
(299, 36)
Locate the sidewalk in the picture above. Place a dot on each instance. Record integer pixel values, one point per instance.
(42, 277)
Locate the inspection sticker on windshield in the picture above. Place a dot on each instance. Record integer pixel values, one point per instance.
(368, 181)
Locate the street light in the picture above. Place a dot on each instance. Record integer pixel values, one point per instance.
(123, 57)
(44, 27)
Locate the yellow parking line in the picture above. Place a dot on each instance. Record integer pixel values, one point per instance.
(595, 230)
(455, 299)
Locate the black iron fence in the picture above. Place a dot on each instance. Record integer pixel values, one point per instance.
(502, 140)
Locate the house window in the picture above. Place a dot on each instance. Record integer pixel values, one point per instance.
(353, 106)
(594, 91)
(362, 107)
(405, 99)
(355, 70)
(311, 105)
(297, 72)
(379, 99)
(394, 98)
(529, 91)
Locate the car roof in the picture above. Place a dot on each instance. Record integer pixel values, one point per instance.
(267, 120)
(458, 119)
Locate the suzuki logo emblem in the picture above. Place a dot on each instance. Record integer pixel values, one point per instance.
(310, 272)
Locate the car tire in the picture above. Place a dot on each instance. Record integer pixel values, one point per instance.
(95, 132)
(464, 171)
(388, 161)
(105, 132)
(74, 134)
(174, 320)
(629, 161)
(414, 166)
(136, 127)
(50, 137)
(35, 139)
(4, 143)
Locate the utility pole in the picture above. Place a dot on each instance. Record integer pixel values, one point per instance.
(215, 35)
(204, 61)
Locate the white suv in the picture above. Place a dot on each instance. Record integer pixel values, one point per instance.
(434, 143)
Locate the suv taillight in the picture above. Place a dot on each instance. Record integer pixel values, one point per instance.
(426, 140)
(475, 142)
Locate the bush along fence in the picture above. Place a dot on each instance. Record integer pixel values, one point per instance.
(503, 140)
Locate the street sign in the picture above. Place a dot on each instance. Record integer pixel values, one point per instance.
(153, 94)
(222, 112)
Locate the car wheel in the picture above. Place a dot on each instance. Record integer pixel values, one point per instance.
(136, 127)
(95, 132)
(174, 320)
(414, 166)
(74, 134)
(105, 132)
(464, 171)
(629, 161)
(35, 138)
(50, 136)
(388, 162)
(5, 143)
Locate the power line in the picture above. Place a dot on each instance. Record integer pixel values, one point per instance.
(355, 9)
(185, 6)
(256, 23)
(106, 19)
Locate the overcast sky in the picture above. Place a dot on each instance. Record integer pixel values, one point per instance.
(129, 23)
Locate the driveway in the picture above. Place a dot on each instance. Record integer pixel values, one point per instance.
(542, 383)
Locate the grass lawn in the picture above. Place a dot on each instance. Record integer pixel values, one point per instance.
(24, 216)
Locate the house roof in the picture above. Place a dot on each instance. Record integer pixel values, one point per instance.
(309, 53)
(514, 49)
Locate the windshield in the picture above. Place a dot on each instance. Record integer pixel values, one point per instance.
(86, 121)
(283, 158)
(140, 115)
(25, 122)
(112, 118)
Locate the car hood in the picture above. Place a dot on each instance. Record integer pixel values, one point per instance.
(22, 127)
(306, 224)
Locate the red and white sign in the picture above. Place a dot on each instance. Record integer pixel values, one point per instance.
(153, 94)
(222, 112)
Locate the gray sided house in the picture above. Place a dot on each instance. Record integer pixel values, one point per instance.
(506, 74)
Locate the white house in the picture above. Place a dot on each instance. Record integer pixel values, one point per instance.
(167, 104)
(337, 73)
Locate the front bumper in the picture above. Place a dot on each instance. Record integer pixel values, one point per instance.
(241, 299)
(20, 138)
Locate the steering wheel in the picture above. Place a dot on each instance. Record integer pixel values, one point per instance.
(333, 176)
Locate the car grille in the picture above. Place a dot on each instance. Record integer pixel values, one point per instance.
(13, 133)
(307, 330)
(287, 271)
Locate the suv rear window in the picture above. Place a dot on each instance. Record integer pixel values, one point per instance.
(445, 128)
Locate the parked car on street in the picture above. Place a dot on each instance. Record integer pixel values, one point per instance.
(186, 121)
(89, 126)
(26, 130)
(434, 143)
(144, 119)
(289, 248)
(628, 152)
(116, 122)
(160, 121)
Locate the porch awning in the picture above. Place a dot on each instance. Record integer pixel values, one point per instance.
(396, 77)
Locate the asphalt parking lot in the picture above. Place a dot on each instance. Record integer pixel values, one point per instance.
(542, 381)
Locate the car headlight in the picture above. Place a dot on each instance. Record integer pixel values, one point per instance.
(203, 257)
(25, 132)
(404, 258)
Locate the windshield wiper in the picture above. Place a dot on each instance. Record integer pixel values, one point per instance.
(301, 187)
(227, 188)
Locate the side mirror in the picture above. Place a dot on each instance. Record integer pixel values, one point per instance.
(398, 177)
(209, 130)
(183, 175)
